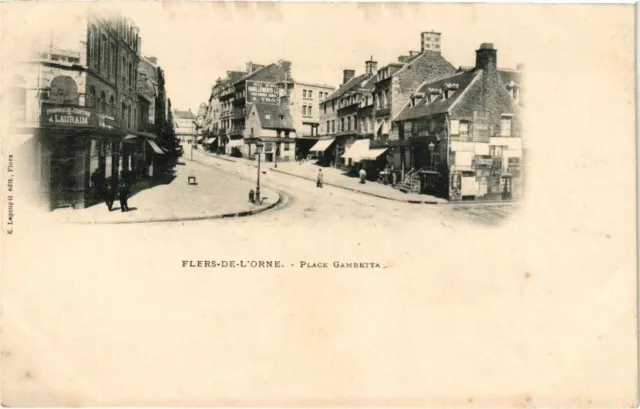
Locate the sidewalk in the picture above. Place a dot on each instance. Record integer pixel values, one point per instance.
(335, 177)
(216, 195)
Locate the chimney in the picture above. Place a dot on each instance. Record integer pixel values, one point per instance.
(371, 66)
(486, 57)
(403, 58)
(430, 41)
(153, 60)
(249, 67)
(520, 67)
(285, 70)
(347, 75)
(412, 53)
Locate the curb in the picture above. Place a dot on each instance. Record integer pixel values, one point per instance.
(431, 202)
(192, 218)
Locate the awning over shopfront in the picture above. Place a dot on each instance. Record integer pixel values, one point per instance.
(322, 145)
(373, 154)
(130, 137)
(200, 138)
(357, 150)
(210, 141)
(155, 147)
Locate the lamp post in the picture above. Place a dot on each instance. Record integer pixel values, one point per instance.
(259, 146)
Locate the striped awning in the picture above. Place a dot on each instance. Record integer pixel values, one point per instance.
(155, 147)
(322, 145)
(357, 150)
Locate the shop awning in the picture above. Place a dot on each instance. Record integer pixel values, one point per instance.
(210, 141)
(155, 147)
(373, 154)
(199, 138)
(130, 137)
(357, 150)
(322, 145)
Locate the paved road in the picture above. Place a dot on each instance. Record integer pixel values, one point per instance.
(305, 203)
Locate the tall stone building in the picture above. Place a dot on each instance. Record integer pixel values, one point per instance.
(75, 106)
(463, 134)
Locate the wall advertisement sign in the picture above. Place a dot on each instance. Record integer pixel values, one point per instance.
(262, 92)
(65, 116)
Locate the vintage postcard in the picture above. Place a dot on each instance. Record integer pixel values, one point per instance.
(318, 204)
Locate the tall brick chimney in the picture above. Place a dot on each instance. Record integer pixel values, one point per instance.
(430, 41)
(520, 67)
(486, 57)
(371, 66)
(347, 75)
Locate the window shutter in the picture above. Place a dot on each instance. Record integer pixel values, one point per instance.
(455, 127)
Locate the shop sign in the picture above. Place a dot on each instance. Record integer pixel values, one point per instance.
(262, 92)
(480, 128)
(65, 116)
(484, 161)
(107, 122)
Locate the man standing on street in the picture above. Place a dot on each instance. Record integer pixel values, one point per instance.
(124, 194)
(109, 195)
(320, 178)
(363, 175)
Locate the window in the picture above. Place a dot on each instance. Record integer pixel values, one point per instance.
(287, 146)
(310, 93)
(348, 123)
(355, 123)
(309, 110)
(333, 126)
(464, 128)
(454, 128)
(103, 102)
(304, 93)
(328, 128)
(91, 98)
(130, 75)
(505, 126)
(112, 106)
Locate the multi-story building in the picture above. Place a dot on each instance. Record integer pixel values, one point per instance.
(339, 118)
(77, 105)
(463, 133)
(305, 112)
(184, 123)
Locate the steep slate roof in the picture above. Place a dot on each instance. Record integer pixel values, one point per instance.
(351, 84)
(463, 78)
(270, 117)
(370, 84)
(183, 114)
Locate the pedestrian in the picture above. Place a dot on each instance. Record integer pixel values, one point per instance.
(363, 175)
(320, 178)
(109, 195)
(124, 194)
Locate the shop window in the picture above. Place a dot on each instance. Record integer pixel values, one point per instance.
(287, 146)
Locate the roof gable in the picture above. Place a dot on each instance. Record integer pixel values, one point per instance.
(463, 80)
(273, 116)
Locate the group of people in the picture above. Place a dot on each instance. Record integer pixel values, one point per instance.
(320, 179)
(109, 192)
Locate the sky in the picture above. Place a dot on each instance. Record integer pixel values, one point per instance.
(195, 43)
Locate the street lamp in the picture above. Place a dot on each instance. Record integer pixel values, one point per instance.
(259, 146)
(431, 149)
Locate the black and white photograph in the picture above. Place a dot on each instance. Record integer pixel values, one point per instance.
(318, 204)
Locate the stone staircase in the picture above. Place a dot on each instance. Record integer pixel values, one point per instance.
(410, 183)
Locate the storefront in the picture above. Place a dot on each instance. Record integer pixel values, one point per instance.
(80, 152)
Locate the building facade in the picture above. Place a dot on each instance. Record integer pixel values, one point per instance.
(463, 133)
(184, 123)
(76, 106)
